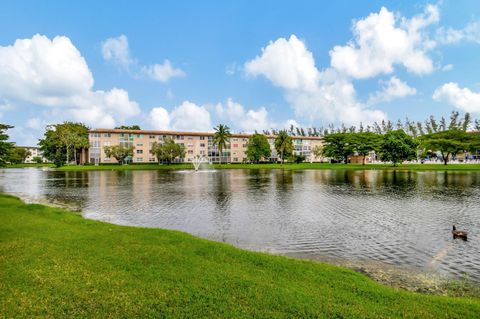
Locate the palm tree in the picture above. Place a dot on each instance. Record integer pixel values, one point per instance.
(221, 138)
(283, 144)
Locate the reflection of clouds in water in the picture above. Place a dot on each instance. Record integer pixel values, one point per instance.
(395, 217)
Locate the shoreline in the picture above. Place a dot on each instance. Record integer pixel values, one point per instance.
(99, 269)
(410, 279)
(455, 167)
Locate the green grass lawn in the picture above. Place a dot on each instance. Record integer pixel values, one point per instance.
(22, 165)
(288, 166)
(56, 264)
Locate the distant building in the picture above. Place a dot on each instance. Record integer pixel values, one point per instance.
(34, 152)
(196, 145)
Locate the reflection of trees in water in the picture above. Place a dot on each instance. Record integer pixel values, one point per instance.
(67, 188)
(406, 183)
(222, 198)
(284, 182)
(258, 180)
(367, 181)
(451, 183)
(70, 179)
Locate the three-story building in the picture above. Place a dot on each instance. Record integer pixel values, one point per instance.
(196, 145)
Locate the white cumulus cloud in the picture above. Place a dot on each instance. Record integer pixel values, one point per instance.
(462, 98)
(326, 96)
(117, 51)
(394, 88)
(244, 120)
(187, 116)
(382, 40)
(54, 74)
(470, 33)
(286, 63)
(159, 118)
(162, 72)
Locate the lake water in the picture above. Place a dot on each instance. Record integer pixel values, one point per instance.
(385, 217)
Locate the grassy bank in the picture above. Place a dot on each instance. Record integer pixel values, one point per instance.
(302, 166)
(55, 264)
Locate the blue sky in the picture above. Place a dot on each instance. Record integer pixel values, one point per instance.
(252, 65)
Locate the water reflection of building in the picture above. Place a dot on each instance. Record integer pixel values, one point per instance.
(195, 143)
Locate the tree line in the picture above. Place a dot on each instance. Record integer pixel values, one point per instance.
(397, 146)
(413, 128)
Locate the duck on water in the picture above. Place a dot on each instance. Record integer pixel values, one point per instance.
(459, 233)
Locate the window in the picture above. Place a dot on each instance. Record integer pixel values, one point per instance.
(202, 144)
(139, 144)
(107, 135)
(235, 159)
(202, 138)
(139, 151)
(190, 152)
(152, 159)
(139, 135)
(139, 159)
(107, 143)
(151, 136)
(235, 145)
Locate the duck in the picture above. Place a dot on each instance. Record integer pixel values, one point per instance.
(459, 233)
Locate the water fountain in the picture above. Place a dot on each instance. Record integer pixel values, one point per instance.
(198, 161)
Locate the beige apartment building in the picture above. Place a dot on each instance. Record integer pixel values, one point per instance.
(196, 145)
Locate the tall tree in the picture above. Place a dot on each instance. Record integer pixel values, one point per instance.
(221, 138)
(454, 124)
(317, 151)
(451, 142)
(397, 146)
(428, 126)
(420, 128)
(52, 148)
(443, 124)
(364, 143)
(338, 146)
(376, 128)
(477, 125)
(74, 136)
(128, 127)
(5, 146)
(167, 151)
(399, 125)
(258, 148)
(119, 152)
(433, 124)
(62, 141)
(283, 145)
(18, 155)
(467, 120)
